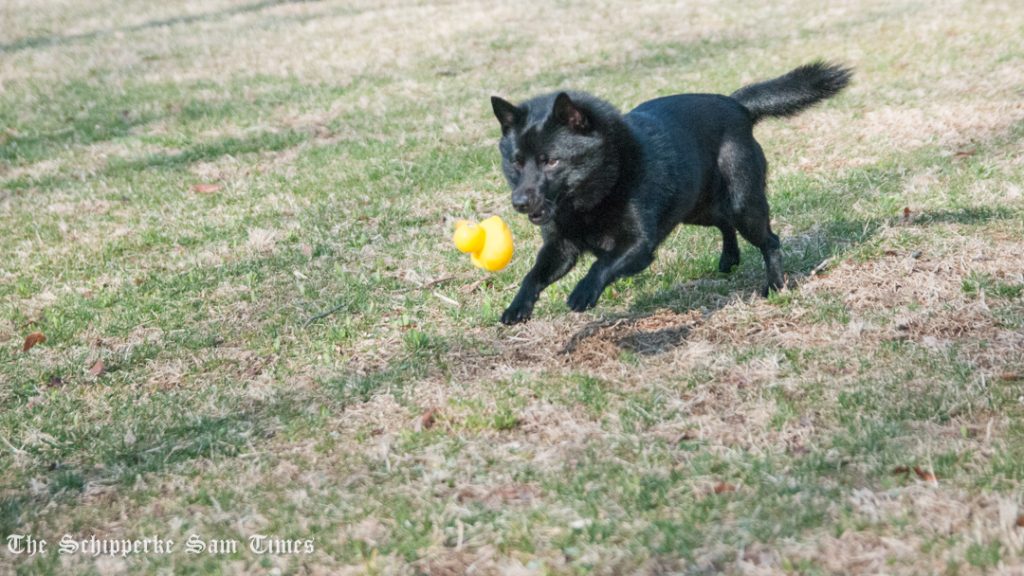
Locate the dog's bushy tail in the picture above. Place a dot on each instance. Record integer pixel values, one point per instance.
(793, 92)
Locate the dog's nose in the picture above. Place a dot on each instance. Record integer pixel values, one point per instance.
(521, 200)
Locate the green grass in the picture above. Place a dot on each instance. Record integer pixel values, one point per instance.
(282, 355)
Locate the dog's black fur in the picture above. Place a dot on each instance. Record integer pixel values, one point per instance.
(615, 186)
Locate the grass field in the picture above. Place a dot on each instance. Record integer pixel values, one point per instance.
(185, 186)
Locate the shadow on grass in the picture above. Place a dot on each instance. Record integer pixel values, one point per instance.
(11, 506)
(102, 116)
(628, 334)
(157, 447)
(200, 152)
(645, 330)
(204, 436)
(205, 151)
(692, 53)
(50, 40)
(112, 117)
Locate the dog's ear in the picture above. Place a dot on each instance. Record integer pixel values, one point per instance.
(509, 115)
(567, 113)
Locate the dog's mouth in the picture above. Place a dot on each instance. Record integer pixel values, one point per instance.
(542, 215)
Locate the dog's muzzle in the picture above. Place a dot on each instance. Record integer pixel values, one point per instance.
(539, 209)
(543, 214)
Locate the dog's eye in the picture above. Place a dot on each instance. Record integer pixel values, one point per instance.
(551, 162)
(518, 162)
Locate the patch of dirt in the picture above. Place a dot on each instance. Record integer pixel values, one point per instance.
(648, 336)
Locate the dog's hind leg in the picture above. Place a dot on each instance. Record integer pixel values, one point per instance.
(744, 168)
(758, 232)
(730, 249)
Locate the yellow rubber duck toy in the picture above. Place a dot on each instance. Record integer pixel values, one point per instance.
(488, 243)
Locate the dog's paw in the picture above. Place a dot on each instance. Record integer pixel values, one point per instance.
(584, 296)
(727, 262)
(516, 313)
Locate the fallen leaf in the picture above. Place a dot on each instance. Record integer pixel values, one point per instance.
(33, 339)
(471, 287)
(901, 470)
(906, 214)
(429, 418)
(723, 488)
(1009, 376)
(205, 188)
(97, 368)
(688, 435)
(925, 475)
(512, 493)
(1020, 521)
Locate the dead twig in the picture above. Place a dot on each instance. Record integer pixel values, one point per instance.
(324, 314)
(824, 264)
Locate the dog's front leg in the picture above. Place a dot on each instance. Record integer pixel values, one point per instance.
(608, 268)
(555, 258)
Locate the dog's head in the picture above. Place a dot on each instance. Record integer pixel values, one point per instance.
(552, 148)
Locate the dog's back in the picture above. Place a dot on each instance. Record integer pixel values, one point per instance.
(703, 150)
(682, 138)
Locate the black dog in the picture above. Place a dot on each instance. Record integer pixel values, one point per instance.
(613, 185)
